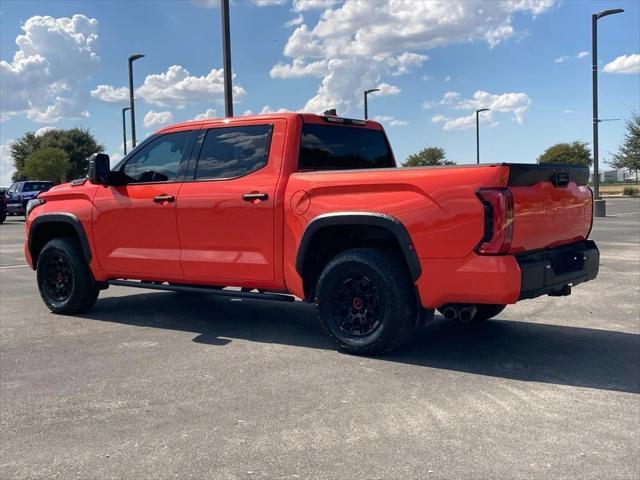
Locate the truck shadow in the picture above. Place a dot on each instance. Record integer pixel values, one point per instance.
(564, 355)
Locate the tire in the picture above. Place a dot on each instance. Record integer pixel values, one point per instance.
(65, 282)
(366, 301)
(487, 311)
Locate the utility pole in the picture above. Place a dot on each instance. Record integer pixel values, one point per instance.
(599, 205)
(478, 133)
(366, 104)
(132, 59)
(226, 58)
(124, 129)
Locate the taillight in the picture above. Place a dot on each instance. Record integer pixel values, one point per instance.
(498, 221)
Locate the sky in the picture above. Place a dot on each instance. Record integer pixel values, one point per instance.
(63, 64)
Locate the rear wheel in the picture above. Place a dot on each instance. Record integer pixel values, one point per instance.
(366, 301)
(65, 282)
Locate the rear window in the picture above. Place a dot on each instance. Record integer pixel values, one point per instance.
(36, 186)
(331, 147)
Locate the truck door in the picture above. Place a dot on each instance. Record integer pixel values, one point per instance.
(226, 205)
(134, 226)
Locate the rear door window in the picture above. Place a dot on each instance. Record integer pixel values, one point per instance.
(331, 147)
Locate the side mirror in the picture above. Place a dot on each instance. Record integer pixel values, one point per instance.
(99, 169)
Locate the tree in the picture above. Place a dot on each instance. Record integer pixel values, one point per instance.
(628, 155)
(574, 153)
(428, 157)
(78, 143)
(47, 163)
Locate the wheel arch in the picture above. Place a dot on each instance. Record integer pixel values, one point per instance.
(340, 222)
(53, 225)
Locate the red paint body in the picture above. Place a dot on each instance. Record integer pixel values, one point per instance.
(211, 236)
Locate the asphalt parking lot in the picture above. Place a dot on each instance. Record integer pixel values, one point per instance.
(159, 385)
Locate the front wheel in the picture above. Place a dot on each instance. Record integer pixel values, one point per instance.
(366, 301)
(65, 282)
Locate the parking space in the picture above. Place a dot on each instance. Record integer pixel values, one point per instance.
(154, 384)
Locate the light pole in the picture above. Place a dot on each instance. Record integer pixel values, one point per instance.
(226, 58)
(478, 133)
(132, 59)
(599, 205)
(124, 129)
(366, 104)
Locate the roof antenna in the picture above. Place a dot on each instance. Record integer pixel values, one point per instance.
(330, 113)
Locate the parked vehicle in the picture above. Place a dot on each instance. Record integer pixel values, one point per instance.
(3, 205)
(313, 206)
(20, 193)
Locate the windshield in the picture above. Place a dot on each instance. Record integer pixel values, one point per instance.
(332, 147)
(36, 186)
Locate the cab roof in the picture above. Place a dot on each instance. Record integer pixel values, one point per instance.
(248, 119)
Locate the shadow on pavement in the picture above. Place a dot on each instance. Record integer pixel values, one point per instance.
(583, 357)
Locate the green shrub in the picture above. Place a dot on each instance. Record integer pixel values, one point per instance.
(630, 191)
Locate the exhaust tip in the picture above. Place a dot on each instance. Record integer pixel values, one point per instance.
(466, 314)
(450, 313)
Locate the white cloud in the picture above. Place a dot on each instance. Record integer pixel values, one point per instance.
(268, 3)
(6, 164)
(268, 109)
(216, 3)
(624, 64)
(384, 89)
(55, 56)
(565, 58)
(447, 79)
(107, 93)
(390, 120)
(567, 111)
(154, 119)
(298, 68)
(302, 5)
(513, 103)
(464, 122)
(294, 22)
(41, 131)
(174, 88)
(354, 46)
(209, 113)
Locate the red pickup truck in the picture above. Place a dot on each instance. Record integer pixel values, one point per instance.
(314, 207)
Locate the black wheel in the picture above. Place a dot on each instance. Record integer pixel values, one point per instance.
(487, 311)
(366, 301)
(64, 279)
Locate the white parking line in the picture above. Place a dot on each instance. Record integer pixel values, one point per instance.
(13, 266)
(623, 214)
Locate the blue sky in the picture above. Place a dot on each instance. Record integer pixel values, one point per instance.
(63, 64)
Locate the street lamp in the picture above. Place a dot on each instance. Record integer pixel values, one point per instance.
(599, 205)
(124, 129)
(226, 58)
(478, 133)
(366, 105)
(132, 59)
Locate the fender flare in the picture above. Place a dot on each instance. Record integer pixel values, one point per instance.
(61, 217)
(392, 224)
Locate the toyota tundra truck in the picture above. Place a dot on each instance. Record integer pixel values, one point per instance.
(313, 206)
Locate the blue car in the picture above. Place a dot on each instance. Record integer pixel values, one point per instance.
(20, 193)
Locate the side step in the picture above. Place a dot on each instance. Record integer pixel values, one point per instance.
(206, 290)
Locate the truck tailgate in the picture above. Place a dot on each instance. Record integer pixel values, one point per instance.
(552, 205)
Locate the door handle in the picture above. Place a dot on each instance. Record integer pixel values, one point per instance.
(164, 199)
(248, 197)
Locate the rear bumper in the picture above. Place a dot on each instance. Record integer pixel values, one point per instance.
(506, 279)
(549, 271)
